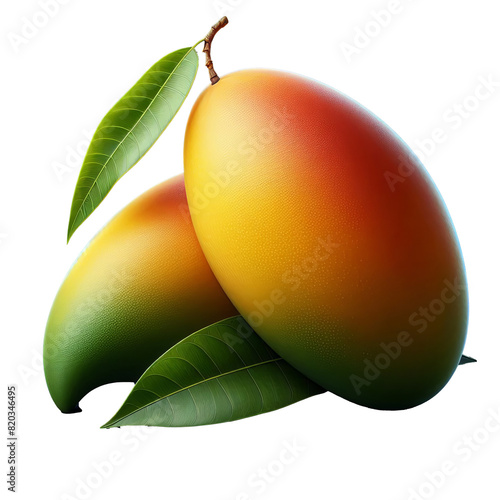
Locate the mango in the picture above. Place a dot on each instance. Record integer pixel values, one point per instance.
(140, 286)
(328, 235)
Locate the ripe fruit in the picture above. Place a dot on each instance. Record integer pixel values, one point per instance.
(141, 285)
(328, 236)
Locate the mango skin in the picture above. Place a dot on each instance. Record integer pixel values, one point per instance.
(140, 286)
(328, 235)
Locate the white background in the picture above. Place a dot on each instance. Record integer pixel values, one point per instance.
(61, 82)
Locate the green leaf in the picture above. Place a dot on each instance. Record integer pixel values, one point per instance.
(130, 128)
(221, 373)
(464, 360)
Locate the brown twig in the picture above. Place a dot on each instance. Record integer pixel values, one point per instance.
(208, 45)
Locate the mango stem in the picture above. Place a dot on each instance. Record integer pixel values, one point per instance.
(208, 45)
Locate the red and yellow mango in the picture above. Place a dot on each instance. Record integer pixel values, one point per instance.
(140, 286)
(328, 235)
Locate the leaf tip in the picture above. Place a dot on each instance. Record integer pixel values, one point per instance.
(114, 421)
(71, 229)
(464, 360)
